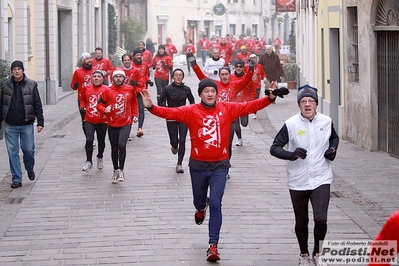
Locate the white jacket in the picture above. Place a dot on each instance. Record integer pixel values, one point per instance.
(313, 136)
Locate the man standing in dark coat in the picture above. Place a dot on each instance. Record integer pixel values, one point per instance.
(20, 104)
(272, 66)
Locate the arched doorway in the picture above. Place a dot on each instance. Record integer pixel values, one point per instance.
(387, 31)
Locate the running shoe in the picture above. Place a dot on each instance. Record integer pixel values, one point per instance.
(140, 132)
(173, 150)
(121, 177)
(304, 260)
(200, 215)
(212, 253)
(240, 142)
(87, 166)
(115, 177)
(318, 260)
(179, 169)
(100, 165)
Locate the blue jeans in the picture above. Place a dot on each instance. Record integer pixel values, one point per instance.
(13, 136)
(216, 180)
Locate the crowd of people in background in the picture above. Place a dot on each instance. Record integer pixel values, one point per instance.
(146, 63)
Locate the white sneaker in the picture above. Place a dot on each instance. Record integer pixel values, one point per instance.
(179, 169)
(240, 142)
(100, 165)
(115, 177)
(304, 260)
(87, 166)
(129, 139)
(318, 260)
(121, 177)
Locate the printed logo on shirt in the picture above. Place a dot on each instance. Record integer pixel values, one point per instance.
(210, 131)
(86, 81)
(224, 96)
(93, 99)
(120, 104)
(160, 68)
(99, 66)
(255, 75)
(301, 132)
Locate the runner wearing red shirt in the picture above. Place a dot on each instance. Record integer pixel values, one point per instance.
(246, 95)
(102, 63)
(234, 51)
(257, 77)
(225, 51)
(209, 125)
(170, 48)
(147, 56)
(189, 48)
(133, 76)
(243, 55)
(250, 45)
(94, 121)
(145, 78)
(258, 49)
(203, 43)
(82, 78)
(240, 42)
(162, 64)
(228, 89)
(211, 45)
(119, 103)
(134, 79)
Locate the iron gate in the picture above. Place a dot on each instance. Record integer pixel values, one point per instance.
(388, 91)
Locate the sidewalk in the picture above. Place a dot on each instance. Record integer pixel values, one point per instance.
(69, 217)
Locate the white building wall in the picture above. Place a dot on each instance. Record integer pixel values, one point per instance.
(85, 31)
(306, 45)
(21, 31)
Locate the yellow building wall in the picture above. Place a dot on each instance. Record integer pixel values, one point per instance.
(329, 17)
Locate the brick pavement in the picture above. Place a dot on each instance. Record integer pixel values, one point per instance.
(69, 217)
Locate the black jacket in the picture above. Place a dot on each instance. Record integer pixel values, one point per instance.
(175, 96)
(27, 105)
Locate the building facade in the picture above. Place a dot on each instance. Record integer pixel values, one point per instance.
(354, 66)
(49, 36)
(189, 20)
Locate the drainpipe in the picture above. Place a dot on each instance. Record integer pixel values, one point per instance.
(47, 47)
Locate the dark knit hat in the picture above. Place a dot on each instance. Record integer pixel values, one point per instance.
(207, 82)
(98, 72)
(308, 91)
(161, 46)
(137, 51)
(239, 62)
(17, 63)
(177, 69)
